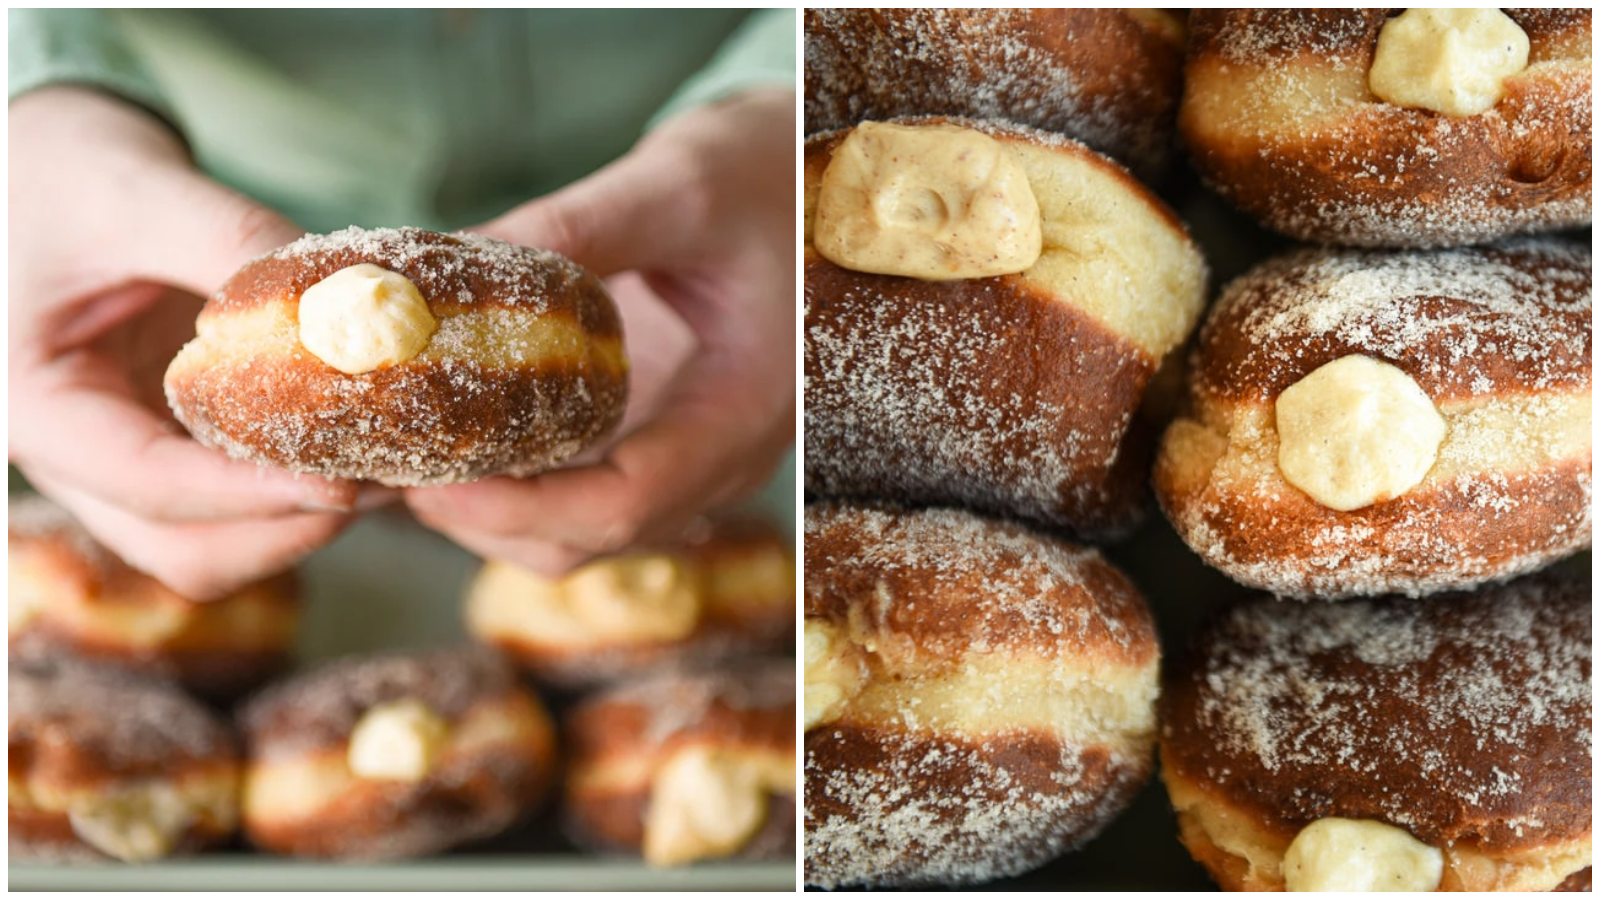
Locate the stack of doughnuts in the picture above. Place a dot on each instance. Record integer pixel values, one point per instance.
(1384, 431)
(988, 299)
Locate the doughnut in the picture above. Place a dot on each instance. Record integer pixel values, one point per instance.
(106, 762)
(67, 593)
(1448, 736)
(686, 766)
(1013, 392)
(1368, 127)
(1108, 77)
(404, 357)
(724, 589)
(978, 698)
(393, 756)
(1366, 422)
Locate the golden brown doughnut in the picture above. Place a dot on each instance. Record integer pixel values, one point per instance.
(1108, 77)
(1498, 341)
(725, 589)
(979, 698)
(1013, 394)
(393, 756)
(103, 762)
(525, 369)
(1464, 720)
(1280, 119)
(686, 766)
(66, 593)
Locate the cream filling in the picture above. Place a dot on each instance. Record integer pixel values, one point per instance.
(707, 802)
(1452, 61)
(399, 740)
(297, 787)
(493, 338)
(1335, 854)
(636, 599)
(364, 317)
(138, 820)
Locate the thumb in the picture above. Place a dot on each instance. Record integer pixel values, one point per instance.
(198, 233)
(633, 214)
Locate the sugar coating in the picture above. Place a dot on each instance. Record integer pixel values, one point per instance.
(478, 400)
(1505, 303)
(1479, 701)
(133, 724)
(677, 702)
(928, 596)
(981, 64)
(1347, 168)
(1500, 339)
(319, 708)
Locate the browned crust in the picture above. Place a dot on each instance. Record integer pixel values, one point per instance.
(469, 797)
(404, 425)
(1098, 75)
(414, 423)
(1375, 739)
(939, 582)
(1013, 777)
(1452, 343)
(209, 653)
(1579, 881)
(1419, 543)
(1524, 165)
(613, 822)
(1023, 404)
(453, 275)
(746, 704)
(316, 710)
(42, 836)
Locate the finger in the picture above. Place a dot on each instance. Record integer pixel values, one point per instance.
(612, 220)
(651, 484)
(200, 561)
(124, 455)
(544, 558)
(195, 233)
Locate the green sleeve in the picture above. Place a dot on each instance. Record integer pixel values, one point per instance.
(760, 53)
(76, 46)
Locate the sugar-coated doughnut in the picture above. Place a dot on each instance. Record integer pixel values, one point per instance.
(1281, 117)
(1494, 342)
(978, 698)
(67, 593)
(1011, 393)
(1450, 735)
(686, 766)
(106, 762)
(393, 756)
(1108, 77)
(724, 589)
(405, 357)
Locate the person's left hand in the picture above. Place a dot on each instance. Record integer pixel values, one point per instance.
(702, 211)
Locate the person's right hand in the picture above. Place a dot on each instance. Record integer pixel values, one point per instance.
(114, 239)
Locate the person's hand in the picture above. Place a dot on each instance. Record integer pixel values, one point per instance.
(702, 211)
(114, 237)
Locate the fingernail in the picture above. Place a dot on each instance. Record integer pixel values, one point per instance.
(374, 496)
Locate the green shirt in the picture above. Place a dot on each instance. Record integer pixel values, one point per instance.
(434, 118)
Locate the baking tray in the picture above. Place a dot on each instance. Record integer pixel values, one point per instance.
(389, 583)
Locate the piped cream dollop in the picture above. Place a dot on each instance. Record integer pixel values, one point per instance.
(1356, 431)
(1359, 855)
(1451, 61)
(935, 202)
(399, 740)
(363, 318)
